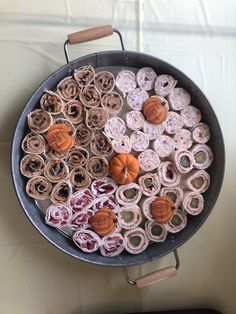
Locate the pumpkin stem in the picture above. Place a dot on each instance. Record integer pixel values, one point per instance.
(126, 172)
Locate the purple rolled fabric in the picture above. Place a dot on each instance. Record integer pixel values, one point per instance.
(136, 98)
(146, 78)
(201, 133)
(164, 84)
(179, 99)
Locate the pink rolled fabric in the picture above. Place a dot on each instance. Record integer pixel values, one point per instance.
(115, 127)
(191, 116)
(135, 120)
(122, 144)
(128, 194)
(81, 200)
(198, 181)
(39, 188)
(201, 133)
(149, 184)
(176, 194)
(51, 102)
(183, 160)
(74, 111)
(79, 178)
(77, 157)
(90, 96)
(173, 123)
(87, 240)
(81, 220)
(39, 121)
(68, 89)
(129, 216)
(101, 145)
(126, 81)
(84, 75)
(33, 143)
(193, 203)
(58, 215)
(103, 187)
(109, 201)
(135, 240)
(146, 207)
(112, 245)
(32, 165)
(112, 102)
(139, 140)
(164, 84)
(177, 223)
(61, 193)
(56, 170)
(203, 156)
(104, 81)
(183, 139)
(136, 98)
(83, 135)
(96, 118)
(155, 232)
(148, 160)
(146, 78)
(168, 174)
(164, 145)
(179, 99)
(153, 131)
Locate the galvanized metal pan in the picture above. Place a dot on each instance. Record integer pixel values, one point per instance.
(118, 60)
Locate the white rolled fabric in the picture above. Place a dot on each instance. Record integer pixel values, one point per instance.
(179, 98)
(201, 133)
(129, 216)
(168, 174)
(164, 145)
(115, 127)
(183, 160)
(128, 194)
(87, 240)
(149, 184)
(58, 215)
(177, 223)
(146, 78)
(164, 84)
(139, 140)
(112, 245)
(146, 207)
(173, 123)
(122, 144)
(81, 200)
(135, 120)
(193, 203)
(148, 160)
(155, 232)
(135, 240)
(153, 131)
(81, 220)
(198, 181)
(203, 156)
(191, 116)
(176, 194)
(126, 81)
(103, 187)
(183, 139)
(136, 98)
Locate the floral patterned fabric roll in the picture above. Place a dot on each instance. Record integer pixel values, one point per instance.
(33, 144)
(112, 102)
(101, 145)
(164, 84)
(146, 78)
(135, 120)
(83, 135)
(90, 96)
(32, 165)
(96, 118)
(79, 178)
(84, 75)
(51, 102)
(148, 160)
(115, 127)
(112, 245)
(104, 81)
(128, 194)
(149, 184)
(135, 240)
(179, 99)
(126, 81)
(39, 121)
(155, 232)
(74, 111)
(136, 98)
(58, 216)
(39, 188)
(61, 193)
(122, 144)
(87, 240)
(68, 89)
(97, 167)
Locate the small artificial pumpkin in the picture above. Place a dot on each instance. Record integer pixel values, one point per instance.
(124, 168)
(154, 110)
(104, 221)
(59, 138)
(161, 209)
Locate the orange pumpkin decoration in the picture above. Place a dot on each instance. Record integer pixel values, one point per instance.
(154, 110)
(59, 137)
(104, 221)
(161, 209)
(124, 168)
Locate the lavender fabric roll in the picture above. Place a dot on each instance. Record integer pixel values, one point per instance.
(84, 75)
(56, 170)
(164, 84)
(87, 240)
(79, 178)
(74, 111)
(61, 193)
(135, 120)
(58, 216)
(183, 160)
(153, 131)
(81, 200)
(149, 184)
(198, 181)
(90, 96)
(136, 98)
(112, 245)
(101, 145)
(191, 116)
(148, 160)
(135, 241)
(168, 174)
(183, 139)
(176, 194)
(77, 157)
(126, 81)
(177, 223)
(193, 203)
(115, 127)
(122, 144)
(129, 216)
(39, 121)
(146, 78)
(173, 123)
(33, 143)
(203, 156)
(164, 145)
(201, 133)
(139, 140)
(179, 99)
(146, 207)
(51, 102)
(104, 81)
(32, 165)
(68, 89)
(155, 232)
(128, 194)
(112, 102)
(39, 188)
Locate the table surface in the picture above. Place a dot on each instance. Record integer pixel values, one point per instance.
(198, 37)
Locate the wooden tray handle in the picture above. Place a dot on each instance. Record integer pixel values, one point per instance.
(156, 277)
(90, 34)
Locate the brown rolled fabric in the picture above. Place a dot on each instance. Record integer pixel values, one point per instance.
(61, 193)
(84, 75)
(51, 102)
(183, 139)
(79, 178)
(39, 121)
(176, 194)
(68, 89)
(51, 153)
(33, 143)
(201, 133)
(183, 160)
(39, 188)
(193, 203)
(112, 102)
(97, 167)
(197, 181)
(67, 123)
(155, 232)
(179, 98)
(31, 165)
(83, 135)
(96, 118)
(203, 156)
(77, 157)
(164, 84)
(191, 116)
(104, 81)
(135, 240)
(178, 222)
(56, 170)
(149, 184)
(90, 96)
(74, 111)
(101, 145)
(168, 174)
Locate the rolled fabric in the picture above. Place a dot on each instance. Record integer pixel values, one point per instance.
(126, 81)
(58, 215)
(68, 89)
(155, 232)
(112, 245)
(51, 102)
(128, 194)
(177, 223)
(183, 139)
(33, 144)
(56, 170)
(176, 194)
(61, 193)
(109, 201)
(146, 207)
(103, 187)
(104, 81)
(115, 127)
(77, 157)
(149, 184)
(198, 181)
(153, 130)
(112, 102)
(135, 241)
(97, 167)
(32, 165)
(81, 220)
(87, 240)
(183, 160)
(135, 120)
(191, 116)
(203, 156)
(148, 160)
(84, 75)
(173, 123)
(39, 188)
(164, 84)
(164, 145)
(96, 118)
(51, 153)
(122, 144)
(146, 78)
(139, 140)
(81, 200)
(129, 216)
(201, 133)
(39, 121)
(101, 145)
(168, 174)
(79, 178)
(178, 98)
(193, 203)
(74, 111)
(136, 98)
(90, 96)
(67, 123)
(83, 135)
